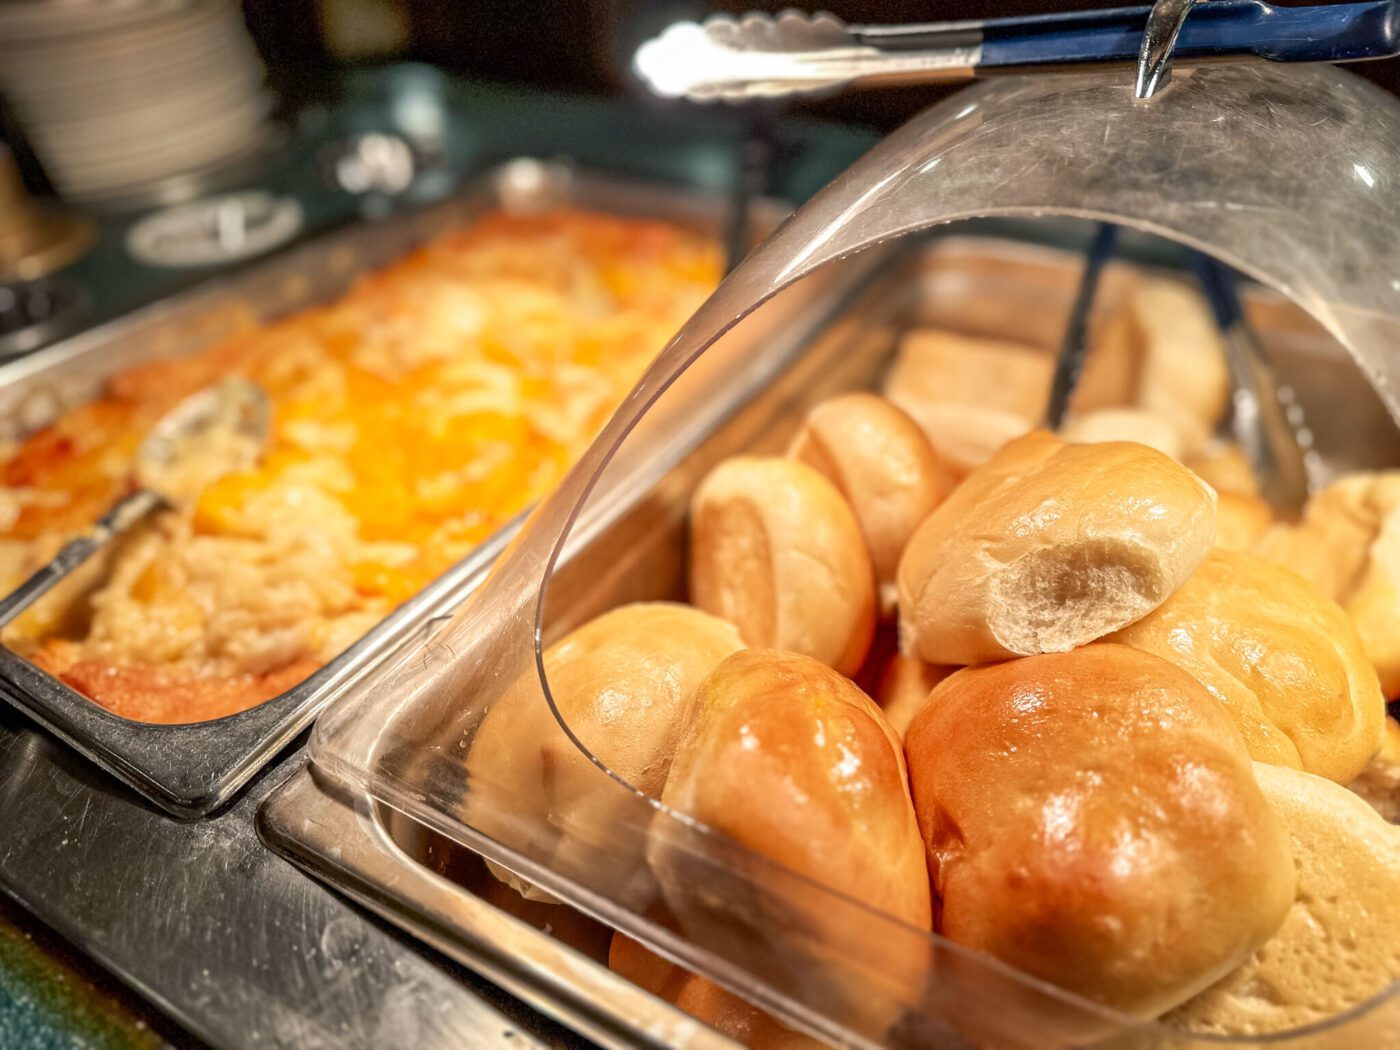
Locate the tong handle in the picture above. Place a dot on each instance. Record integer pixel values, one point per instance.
(76, 551)
(761, 56)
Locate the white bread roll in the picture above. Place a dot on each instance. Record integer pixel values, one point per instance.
(934, 366)
(1348, 543)
(703, 1000)
(904, 687)
(776, 550)
(1124, 424)
(1281, 657)
(1340, 943)
(1049, 546)
(1092, 819)
(626, 684)
(884, 466)
(792, 761)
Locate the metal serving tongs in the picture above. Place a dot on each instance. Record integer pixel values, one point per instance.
(762, 56)
(1265, 417)
(215, 431)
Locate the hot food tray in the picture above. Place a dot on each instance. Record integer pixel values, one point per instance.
(191, 769)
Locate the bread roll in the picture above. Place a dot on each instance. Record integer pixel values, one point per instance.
(884, 466)
(966, 436)
(776, 550)
(1348, 543)
(1340, 943)
(701, 999)
(793, 762)
(1225, 468)
(1184, 376)
(1124, 424)
(904, 686)
(934, 366)
(626, 684)
(1379, 782)
(1240, 521)
(1049, 546)
(1281, 657)
(1092, 819)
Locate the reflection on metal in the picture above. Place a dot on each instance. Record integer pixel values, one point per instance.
(1164, 24)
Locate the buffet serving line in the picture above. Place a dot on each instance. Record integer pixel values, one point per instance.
(886, 643)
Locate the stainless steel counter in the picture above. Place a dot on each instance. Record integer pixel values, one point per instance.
(228, 939)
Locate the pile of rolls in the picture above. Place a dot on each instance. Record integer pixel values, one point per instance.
(1105, 747)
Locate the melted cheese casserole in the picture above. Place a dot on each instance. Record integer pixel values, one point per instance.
(412, 419)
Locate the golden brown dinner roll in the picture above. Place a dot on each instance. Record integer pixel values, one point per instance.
(1049, 546)
(1340, 943)
(884, 466)
(793, 762)
(1124, 424)
(904, 686)
(934, 366)
(784, 728)
(1240, 521)
(703, 1000)
(626, 684)
(1281, 657)
(1092, 819)
(776, 550)
(1348, 543)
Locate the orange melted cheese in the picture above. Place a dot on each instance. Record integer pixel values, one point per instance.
(412, 419)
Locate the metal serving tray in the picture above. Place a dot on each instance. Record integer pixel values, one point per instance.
(439, 891)
(191, 769)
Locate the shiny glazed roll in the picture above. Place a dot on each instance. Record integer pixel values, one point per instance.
(884, 466)
(702, 999)
(1348, 543)
(1049, 546)
(792, 761)
(1340, 943)
(776, 550)
(1092, 819)
(626, 685)
(1281, 657)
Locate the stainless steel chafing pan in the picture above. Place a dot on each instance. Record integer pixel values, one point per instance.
(439, 891)
(190, 770)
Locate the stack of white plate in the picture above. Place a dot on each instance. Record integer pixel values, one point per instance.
(117, 95)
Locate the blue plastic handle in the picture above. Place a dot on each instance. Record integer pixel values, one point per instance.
(1216, 28)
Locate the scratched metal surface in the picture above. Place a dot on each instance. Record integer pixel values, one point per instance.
(230, 940)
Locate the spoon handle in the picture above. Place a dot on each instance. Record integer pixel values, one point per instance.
(76, 551)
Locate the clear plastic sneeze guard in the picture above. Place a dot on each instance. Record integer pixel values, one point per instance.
(1289, 173)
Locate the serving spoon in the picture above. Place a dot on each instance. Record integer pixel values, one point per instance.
(213, 432)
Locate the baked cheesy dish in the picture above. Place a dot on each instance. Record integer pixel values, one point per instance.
(411, 419)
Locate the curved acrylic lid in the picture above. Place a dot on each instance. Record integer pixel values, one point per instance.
(1289, 173)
